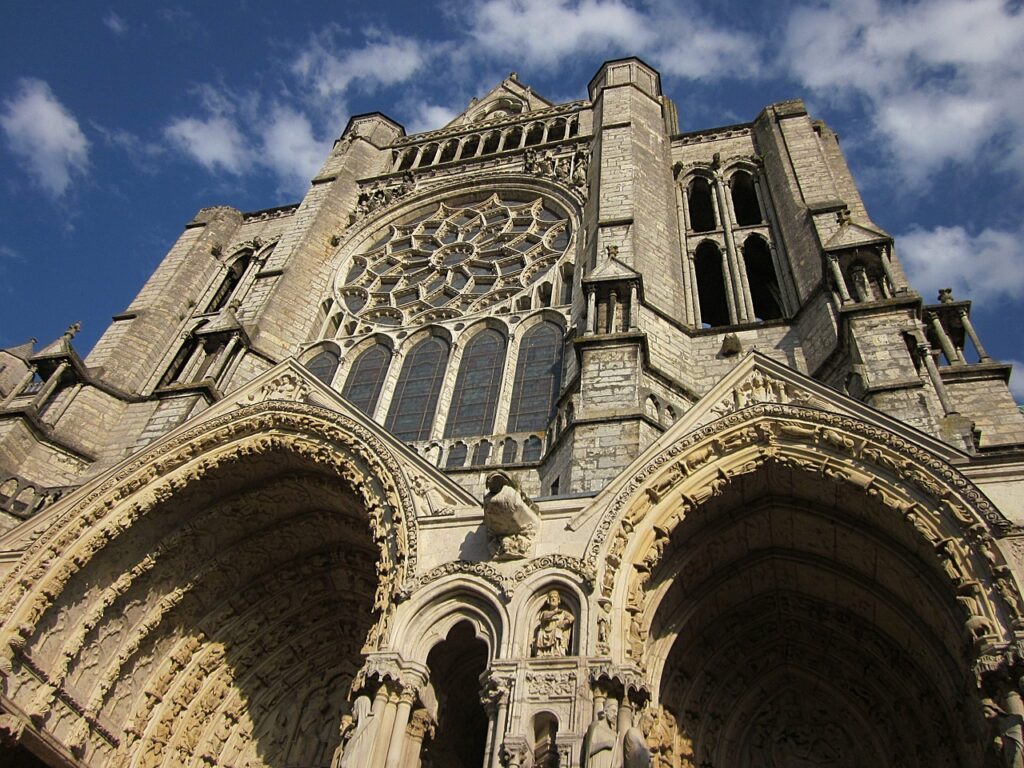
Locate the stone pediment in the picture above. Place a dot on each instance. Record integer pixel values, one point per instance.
(758, 379)
(853, 235)
(505, 101)
(611, 269)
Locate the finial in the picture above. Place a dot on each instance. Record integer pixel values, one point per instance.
(843, 216)
(73, 329)
(946, 295)
(612, 251)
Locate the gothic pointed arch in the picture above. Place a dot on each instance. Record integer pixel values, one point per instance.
(211, 599)
(781, 571)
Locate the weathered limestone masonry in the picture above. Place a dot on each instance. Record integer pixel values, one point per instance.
(554, 436)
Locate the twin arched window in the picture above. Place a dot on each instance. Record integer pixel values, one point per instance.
(230, 282)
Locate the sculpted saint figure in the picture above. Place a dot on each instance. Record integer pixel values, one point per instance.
(554, 628)
(511, 519)
(601, 739)
(356, 751)
(1009, 729)
(635, 752)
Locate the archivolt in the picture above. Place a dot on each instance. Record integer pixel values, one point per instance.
(177, 642)
(932, 500)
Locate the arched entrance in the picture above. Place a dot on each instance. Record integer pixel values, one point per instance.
(218, 609)
(456, 665)
(804, 590)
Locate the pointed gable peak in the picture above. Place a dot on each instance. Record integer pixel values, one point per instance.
(507, 100)
(611, 269)
(851, 234)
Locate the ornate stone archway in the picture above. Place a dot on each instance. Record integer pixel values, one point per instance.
(783, 553)
(211, 600)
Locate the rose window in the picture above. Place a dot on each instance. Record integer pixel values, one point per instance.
(451, 259)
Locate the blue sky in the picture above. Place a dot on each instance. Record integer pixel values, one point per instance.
(119, 120)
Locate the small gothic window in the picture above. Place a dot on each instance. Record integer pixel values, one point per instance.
(475, 397)
(366, 378)
(702, 211)
(457, 456)
(509, 449)
(764, 285)
(538, 374)
(481, 453)
(744, 199)
(229, 283)
(323, 366)
(470, 146)
(513, 137)
(428, 155)
(535, 135)
(449, 151)
(557, 130)
(176, 369)
(491, 142)
(407, 160)
(531, 448)
(412, 410)
(714, 306)
(574, 127)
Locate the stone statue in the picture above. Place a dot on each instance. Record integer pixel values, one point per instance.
(554, 628)
(601, 739)
(511, 519)
(1009, 733)
(356, 751)
(635, 752)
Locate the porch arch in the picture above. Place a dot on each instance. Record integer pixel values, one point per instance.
(784, 543)
(212, 598)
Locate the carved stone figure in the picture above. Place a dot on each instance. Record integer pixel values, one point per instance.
(635, 752)
(356, 751)
(1009, 730)
(601, 739)
(511, 519)
(554, 628)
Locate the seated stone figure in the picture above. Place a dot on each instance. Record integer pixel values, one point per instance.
(510, 517)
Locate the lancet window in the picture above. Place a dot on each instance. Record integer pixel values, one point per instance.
(538, 374)
(324, 366)
(415, 400)
(475, 398)
(711, 289)
(229, 282)
(366, 378)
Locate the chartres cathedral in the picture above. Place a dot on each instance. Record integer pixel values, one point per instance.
(553, 437)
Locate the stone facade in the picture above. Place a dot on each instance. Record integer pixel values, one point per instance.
(551, 437)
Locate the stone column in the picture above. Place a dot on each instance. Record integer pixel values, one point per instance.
(380, 705)
(739, 311)
(398, 735)
(837, 276)
(613, 312)
(591, 319)
(887, 269)
(927, 353)
(22, 383)
(682, 217)
(495, 696)
(51, 384)
(634, 309)
(983, 356)
(952, 356)
(420, 725)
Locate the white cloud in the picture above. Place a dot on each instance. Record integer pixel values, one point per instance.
(430, 117)
(545, 31)
(1017, 380)
(937, 76)
(290, 149)
(45, 136)
(216, 143)
(987, 266)
(673, 37)
(386, 61)
(115, 24)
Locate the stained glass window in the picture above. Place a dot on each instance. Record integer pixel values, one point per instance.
(323, 366)
(475, 398)
(366, 378)
(415, 400)
(538, 372)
